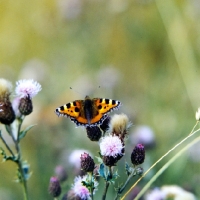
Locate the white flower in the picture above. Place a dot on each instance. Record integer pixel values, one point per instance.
(79, 189)
(27, 88)
(198, 115)
(156, 194)
(111, 146)
(177, 192)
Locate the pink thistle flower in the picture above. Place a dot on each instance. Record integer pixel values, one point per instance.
(79, 189)
(27, 88)
(111, 146)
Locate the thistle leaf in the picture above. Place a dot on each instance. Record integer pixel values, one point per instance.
(22, 134)
(102, 171)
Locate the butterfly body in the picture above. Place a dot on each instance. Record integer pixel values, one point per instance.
(88, 112)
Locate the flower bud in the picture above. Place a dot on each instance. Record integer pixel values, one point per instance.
(7, 115)
(93, 133)
(87, 163)
(25, 106)
(139, 171)
(110, 160)
(54, 187)
(138, 154)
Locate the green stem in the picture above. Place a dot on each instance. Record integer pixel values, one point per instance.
(91, 184)
(127, 181)
(105, 190)
(107, 183)
(20, 166)
(19, 159)
(9, 149)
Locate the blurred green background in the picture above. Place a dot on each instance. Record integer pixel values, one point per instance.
(144, 53)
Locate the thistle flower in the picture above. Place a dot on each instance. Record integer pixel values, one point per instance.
(112, 149)
(156, 194)
(26, 90)
(54, 187)
(119, 125)
(111, 146)
(79, 189)
(87, 163)
(138, 154)
(7, 115)
(177, 193)
(93, 133)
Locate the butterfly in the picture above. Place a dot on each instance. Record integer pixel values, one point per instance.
(88, 112)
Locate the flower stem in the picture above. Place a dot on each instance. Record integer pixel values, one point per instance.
(9, 149)
(105, 190)
(127, 181)
(91, 184)
(107, 183)
(19, 161)
(21, 171)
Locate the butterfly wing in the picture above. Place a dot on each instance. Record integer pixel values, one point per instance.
(102, 107)
(73, 110)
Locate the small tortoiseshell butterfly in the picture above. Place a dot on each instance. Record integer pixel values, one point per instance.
(88, 112)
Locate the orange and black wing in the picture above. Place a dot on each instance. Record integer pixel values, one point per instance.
(73, 110)
(102, 107)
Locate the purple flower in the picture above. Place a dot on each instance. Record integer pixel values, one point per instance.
(27, 88)
(111, 146)
(79, 189)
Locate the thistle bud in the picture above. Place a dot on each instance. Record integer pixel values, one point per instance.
(25, 106)
(54, 187)
(139, 171)
(138, 154)
(93, 133)
(87, 163)
(7, 115)
(110, 160)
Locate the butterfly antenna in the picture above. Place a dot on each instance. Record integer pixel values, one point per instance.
(75, 90)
